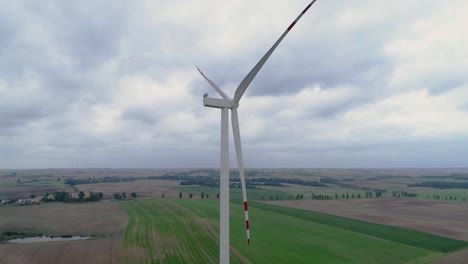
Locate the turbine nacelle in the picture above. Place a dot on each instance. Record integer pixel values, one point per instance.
(217, 103)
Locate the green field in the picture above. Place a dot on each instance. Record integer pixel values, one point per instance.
(186, 231)
(42, 184)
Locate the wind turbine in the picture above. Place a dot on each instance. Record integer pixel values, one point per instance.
(225, 104)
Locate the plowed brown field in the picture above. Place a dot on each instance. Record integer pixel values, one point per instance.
(148, 188)
(105, 220)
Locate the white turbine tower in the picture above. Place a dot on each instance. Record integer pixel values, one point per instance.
(225, 104)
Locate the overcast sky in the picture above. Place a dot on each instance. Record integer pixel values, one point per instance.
(356, 83)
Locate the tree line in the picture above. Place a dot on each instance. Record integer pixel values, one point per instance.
(91, 180)
(123, 195)
(203, 195)
(210, 180)
(65, 197)
(455, 176)
(441, 185)
(398, 194)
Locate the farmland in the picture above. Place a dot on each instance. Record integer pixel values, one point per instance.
(184, 231)
(105, 220)
(296, 216)
(146, 188)
(441, 218)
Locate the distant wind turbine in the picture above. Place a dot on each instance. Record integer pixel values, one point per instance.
(225, 104)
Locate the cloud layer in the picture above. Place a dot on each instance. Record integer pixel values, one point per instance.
(114, 84)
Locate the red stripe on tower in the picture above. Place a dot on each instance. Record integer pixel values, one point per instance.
(292, 25)
(307, 8)
(247, 224)
(246, 208)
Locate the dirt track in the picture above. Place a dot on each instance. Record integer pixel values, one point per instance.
(441, 218)
(106, 220)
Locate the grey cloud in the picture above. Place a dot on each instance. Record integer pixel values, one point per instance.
(19, 116)
(322, 58)
(140, 115)
(77, 52)
(333, 110)
(82, 37)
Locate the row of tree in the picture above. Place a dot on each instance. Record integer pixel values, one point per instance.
(92, 180)
(123, 195)
(450, 197)
(441, 185)
(327, 196)
(398, 194)
(65, 197)
(203, 195)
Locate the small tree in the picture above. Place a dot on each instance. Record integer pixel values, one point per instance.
(124, 195)
(117, 196)
(81, 195)
(94, 196)
(190, 195)
(32, 196)
(203, 195)
(217, 196)
(336, 196)
(180, 194)
(45, 198)
(207, 196)
(162, 196)
(359, 196)
(133, 194)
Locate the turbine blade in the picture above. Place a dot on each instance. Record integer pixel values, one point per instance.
(213, 85)
(240, 163)
(251, 75)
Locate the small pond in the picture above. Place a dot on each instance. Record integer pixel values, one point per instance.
(47, 239)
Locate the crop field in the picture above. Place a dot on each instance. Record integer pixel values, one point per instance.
(145, 188)
(15, 191)
(43, 184)
(441, 218)
(152, 229)
(104, 220)
(186, 231)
